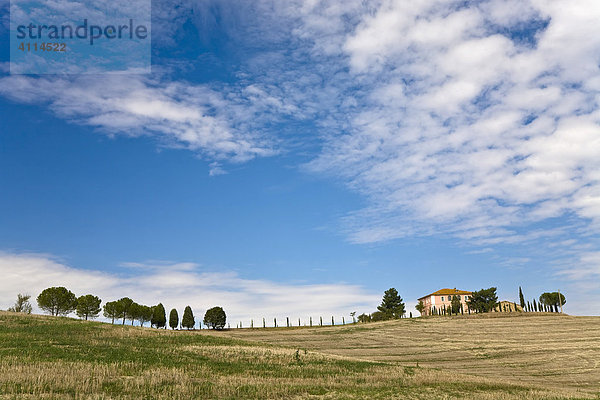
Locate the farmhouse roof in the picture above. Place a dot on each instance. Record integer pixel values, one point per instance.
(447, 292)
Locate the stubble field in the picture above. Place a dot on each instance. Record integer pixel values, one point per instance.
(549, 350)
(525, 357)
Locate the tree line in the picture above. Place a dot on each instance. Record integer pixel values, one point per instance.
(59, 301)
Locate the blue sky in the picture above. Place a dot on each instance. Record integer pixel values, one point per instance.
(299, 159)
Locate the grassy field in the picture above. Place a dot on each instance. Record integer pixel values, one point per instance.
(46, 357)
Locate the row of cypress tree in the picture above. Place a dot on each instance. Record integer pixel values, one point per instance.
(548, 302)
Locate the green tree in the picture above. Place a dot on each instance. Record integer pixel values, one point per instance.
(173, 319)
(392, 305)
(455, 305)
(159, 316)
(215, 318)
(134, 313)
(483, 300)
(112, 310)
(364, 318)
(379, 316)
(420, 307)
(125, 304)
(22, 305)
(188, 320)
(521, 298)
(57, 300)
(144, 314)
(551, 299)
(88, 306)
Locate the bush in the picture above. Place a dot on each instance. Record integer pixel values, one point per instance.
(22, 304)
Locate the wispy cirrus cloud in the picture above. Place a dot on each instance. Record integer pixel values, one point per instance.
(473, 120)
(215, 123)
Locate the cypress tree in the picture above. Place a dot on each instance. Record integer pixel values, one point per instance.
(264, 323)
(159, 317)
(310, 321)
(173, 319)
(287, 321)
(275, 322)
(521, 298)
(188, 320)
(535, 308)
(332, 323)
(321, 321)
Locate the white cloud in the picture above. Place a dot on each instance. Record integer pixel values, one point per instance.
(463, 128)
(177, 285)
(216, 123)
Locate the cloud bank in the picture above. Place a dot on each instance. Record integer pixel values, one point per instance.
(177, 285)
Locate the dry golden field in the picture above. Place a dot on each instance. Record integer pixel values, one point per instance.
(45, 357)
(549, 350)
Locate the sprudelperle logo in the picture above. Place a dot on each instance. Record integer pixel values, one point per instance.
(80, 37)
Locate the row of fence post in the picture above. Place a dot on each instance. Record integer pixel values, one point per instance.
(289, 325)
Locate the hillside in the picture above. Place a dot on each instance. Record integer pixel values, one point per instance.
(46, 357)
(551, 350)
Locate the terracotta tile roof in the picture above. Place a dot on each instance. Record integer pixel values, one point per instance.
(443, 292)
